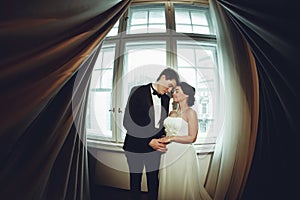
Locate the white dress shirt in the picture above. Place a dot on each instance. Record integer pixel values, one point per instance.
(157, 108)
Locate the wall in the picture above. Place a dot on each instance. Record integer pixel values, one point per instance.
(111, 169)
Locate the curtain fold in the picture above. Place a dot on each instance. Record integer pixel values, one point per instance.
(270, 29)
(44, 75)
(235, 146)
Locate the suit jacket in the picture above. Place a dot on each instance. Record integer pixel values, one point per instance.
(139, 119)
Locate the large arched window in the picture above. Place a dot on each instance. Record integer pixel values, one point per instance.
(146, 39)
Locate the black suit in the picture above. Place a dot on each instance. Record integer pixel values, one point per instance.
(139, 123)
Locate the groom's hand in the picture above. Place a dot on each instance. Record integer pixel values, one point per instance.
(157, 145)
(165, 140)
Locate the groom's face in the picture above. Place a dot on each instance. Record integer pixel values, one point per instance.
(165, 86)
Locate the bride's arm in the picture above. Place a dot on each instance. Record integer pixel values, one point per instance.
(192, 129)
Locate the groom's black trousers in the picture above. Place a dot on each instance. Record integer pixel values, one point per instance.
(136, 163)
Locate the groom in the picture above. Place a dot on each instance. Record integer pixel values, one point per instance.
(146, 108)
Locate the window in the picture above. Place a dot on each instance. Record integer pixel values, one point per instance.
(114, 30)
(99, 121)
(137, 70)
(146, 19)
(192, 20)
(148, 43)
(196, 65)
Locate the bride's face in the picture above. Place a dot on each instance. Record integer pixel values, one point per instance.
(178, 95)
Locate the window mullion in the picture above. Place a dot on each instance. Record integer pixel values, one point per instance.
(123, 23)
(119, 61)
(171, 42)
(191, 22)
(170, 17)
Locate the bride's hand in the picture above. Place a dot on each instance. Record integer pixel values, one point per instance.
(166, 140)
(157, 145)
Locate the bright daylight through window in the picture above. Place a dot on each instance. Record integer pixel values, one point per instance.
(146, 39)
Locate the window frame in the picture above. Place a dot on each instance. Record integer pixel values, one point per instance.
(171, 37)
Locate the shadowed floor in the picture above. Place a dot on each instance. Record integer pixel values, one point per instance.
(105, 192)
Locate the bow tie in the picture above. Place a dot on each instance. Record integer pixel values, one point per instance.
(155, 92)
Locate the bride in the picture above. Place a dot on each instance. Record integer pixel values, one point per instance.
(179, 174)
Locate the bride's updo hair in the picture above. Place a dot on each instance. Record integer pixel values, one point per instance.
(188, 90)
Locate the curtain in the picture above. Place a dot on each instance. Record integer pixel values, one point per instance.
(270, 29)
(238, 125)
(269, 169)
(45, 67)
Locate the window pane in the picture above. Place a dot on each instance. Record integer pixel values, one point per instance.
(201, 29)
(186, 57)
(143, 62)
(108, 58)
(182, 16)
(197, 67)
(114, 30)
(139, 17)
(139, 54)
(184, 28)
(205, 58)
(188, 75)
(157, 16)
(199, 18)
(146, 19)
(192, 19)
(154, 28)
(99, 118)
(105, 57)
(104, 67)
(95, 80)
(137, 29)
(106, 78)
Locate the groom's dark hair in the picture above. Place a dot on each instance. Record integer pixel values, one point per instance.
(170, 74)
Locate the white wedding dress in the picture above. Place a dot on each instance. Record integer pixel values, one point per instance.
(179, 172)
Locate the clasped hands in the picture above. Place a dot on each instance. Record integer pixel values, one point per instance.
(160, 144)
(166, 139)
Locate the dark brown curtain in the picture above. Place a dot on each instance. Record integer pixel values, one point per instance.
(46, 52)
(270, 28)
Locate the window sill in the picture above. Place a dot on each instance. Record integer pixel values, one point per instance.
(105, 145)
(204, 148)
